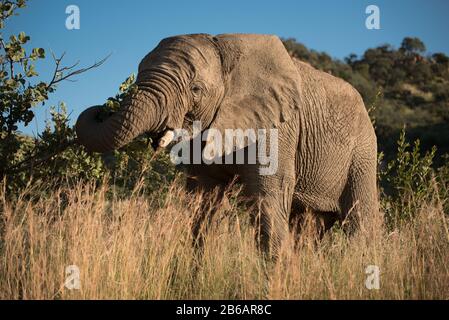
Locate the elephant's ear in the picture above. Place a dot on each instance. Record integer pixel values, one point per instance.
(262, 83)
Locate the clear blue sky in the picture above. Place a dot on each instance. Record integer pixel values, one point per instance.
(129, 29)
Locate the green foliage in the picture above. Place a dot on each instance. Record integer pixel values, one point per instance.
(17, 95)
(409, 181)
(7, 9)
(413, 45)
(23, 158)
(72, 163)
(442, 178)
(53, 157)
(128, 87)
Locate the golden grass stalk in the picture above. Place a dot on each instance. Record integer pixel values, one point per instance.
(138, 248)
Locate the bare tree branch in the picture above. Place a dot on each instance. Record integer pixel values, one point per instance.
(58, 75)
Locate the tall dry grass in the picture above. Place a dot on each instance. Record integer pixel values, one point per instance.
(140, 248)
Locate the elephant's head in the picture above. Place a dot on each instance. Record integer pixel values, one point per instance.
(226, 82)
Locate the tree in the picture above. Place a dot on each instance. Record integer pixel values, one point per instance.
(441, 58)
(413, 46)
(21, 92)
(351, 59)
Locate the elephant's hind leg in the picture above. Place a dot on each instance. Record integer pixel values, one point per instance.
(359, 198)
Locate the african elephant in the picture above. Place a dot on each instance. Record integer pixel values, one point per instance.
(327, 149)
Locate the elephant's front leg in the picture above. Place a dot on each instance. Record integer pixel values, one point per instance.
(213, 194)
(272, 215)
(272, 190)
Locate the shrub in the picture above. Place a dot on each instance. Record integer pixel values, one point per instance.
(408, 181)
(24, 159)
(54, 153)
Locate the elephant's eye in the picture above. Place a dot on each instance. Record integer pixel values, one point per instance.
(196, 90)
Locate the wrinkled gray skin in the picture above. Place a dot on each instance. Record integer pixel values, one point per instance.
(327, 145)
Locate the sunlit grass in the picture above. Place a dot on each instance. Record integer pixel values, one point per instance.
(138, 248)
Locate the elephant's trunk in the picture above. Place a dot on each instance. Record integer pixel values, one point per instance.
(138, 114)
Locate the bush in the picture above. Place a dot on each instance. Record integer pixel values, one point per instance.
(24, 159)
(54, 153)
(409, 180)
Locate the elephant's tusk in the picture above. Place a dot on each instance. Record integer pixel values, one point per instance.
(166, 139)
(212, 151)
